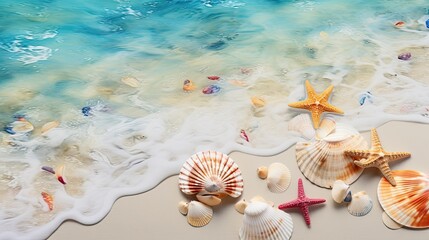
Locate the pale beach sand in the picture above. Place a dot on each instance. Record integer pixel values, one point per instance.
(154, 214)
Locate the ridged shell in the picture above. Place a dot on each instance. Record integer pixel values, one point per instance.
(341, 132)
(360, 205)
(208, 199)
(302, 124)
(278, 178)
(339, 192)
(327, 126)
(199, 214)
(261, 221)
(323, 162)
(407, 202)
(21, 126)
(390, 223)
(211, 172)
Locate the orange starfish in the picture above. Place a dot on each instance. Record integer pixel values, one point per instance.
(316, 103)
(377, 157)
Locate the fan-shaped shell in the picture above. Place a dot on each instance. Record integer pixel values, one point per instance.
(240, 206)
(407, 202)
(341, 132)
(360, 205)
(278, 178)
(261, 221)
(199, 214)
(327, 126)
(339, 192)
(211, 172)
(302, 124)
(390, 223)
(323, 162)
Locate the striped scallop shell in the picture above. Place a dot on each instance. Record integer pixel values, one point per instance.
(323, 162)
(199, 214)
(407, 202)
(211, 172)
(360, 205)
(262, 221)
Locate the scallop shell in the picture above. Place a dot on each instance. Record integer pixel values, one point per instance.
(390, 223)
(341, 132)
(323, 162)
(340, 190)
(209, 199)
(261, 221)
(211, 172)
(262, 172)
(302, 124)
(361, 204)
(278, 178)
(131, 81)
(327, 126)
(199, 214)
(183, 207)
(20, 126)
(407, 202)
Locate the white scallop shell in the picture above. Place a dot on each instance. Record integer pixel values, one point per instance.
(360, 205)
(261, 221)
(323, 162)
(302, 124)
(326, 127)
(342, 132)
(199, 214)
(278, 178)
(339, 191)
(211, 172)
(390, 223)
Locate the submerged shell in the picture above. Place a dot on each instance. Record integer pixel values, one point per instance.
(302, 124)
(278, 178)
(48, 126)
(211, 172)
(323, 162)
(188, 85)
(131, 81)
(261, 221)
(20, 126)
(407, 202)
(340, 190)
(199, 214)
(258, 102)
(390, 223)
(360, 205)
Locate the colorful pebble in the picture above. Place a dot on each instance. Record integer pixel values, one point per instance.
(211, 89)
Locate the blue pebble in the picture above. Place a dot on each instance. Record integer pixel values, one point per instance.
(427, 23)
(9, 130)
(86, 111)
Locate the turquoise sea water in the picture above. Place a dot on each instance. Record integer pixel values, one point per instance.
(127, 61)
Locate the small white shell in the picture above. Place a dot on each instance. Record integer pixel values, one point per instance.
(262, 221)
(210, 200)
(183, 207)
(262, 172)
(302, 124)
(240, 206)
(360, 205)
(278, 178)
(327, 126)
(340, 189)
(131, 81)
(199, 214)
(389, 222)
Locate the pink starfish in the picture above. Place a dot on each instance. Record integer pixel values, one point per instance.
(302, 202)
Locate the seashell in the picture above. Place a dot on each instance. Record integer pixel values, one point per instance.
(209, 199)
(48, 200)
(243, 135)
(278, 178)
(48, 126)
(214, 77)
(404, 56)
(327, 126)
(131, 81)
(340, 190)
(361, 204)
(302, 124)
(188, 85)
(261, 221)
(365, 97)
(48, 169)
(390, 223)
(183, 207)
(238, 83)
(399, 24)
(60, 174)
(262, 172)
(407, 202)
(211, 89)
(240, 206)
(257, 102)
(211, 172)
(20, 126)
(342, 132)
(199, 214)
(323, 162)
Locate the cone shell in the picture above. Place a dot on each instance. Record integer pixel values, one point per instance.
(278, 178)
(302, 124)
(339, 192)
(407, 202)
(199, 214)
(360, 205)
(390, 223)
(211, 172)
(323, 162)
(261, 221)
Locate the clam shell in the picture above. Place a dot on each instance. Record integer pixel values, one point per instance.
(211, 200)
(199, 214)
(360, 205)
(240, 206)
(339, 192)
(278, 178)
(211, 172)
(323, 162)
(131, 81)
(262, 172)
(390, 223)
(257, 102)
(183, 207)
(48, 126)
(407, 202)
(327, 126)
(21, 126)
(302, 124)
(261, 221)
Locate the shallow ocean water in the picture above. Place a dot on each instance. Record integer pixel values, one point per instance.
(128, 60)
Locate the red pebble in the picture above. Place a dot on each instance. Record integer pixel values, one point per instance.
(61, 180)
(213, 77)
